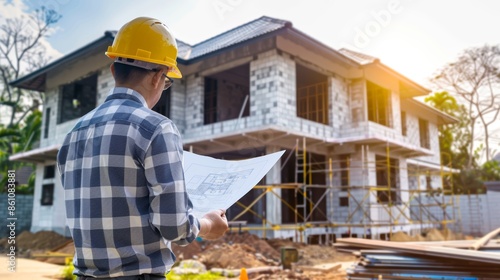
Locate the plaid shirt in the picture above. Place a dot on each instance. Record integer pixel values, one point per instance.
(121, 169)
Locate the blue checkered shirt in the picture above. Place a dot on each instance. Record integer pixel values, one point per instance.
(126, 201)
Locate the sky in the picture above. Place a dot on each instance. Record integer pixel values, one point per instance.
(413, 37)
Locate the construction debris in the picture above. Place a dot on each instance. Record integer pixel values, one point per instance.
(423, 260)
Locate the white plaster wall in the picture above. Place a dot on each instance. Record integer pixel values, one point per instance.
(396, 112)
(48, 217)
(57, 132)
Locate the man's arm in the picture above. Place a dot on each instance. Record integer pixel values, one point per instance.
(170, 207)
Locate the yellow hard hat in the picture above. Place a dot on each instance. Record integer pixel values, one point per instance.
(148, 40)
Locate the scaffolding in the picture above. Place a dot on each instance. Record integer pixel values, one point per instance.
(350, 206)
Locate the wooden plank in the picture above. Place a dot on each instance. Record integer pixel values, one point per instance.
(319, 268)
(481, 242)
(426, 250)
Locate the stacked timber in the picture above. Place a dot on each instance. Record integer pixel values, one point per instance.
(423, 260)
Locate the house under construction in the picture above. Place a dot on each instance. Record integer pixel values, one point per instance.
(362, 155)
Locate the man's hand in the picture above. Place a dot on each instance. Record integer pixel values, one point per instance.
(213, 225)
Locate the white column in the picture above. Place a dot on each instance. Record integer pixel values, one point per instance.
(273, 202)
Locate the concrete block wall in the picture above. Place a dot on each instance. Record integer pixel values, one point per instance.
(178, 105)
(413, 182)
(105, 83)
(414, 138)
(24, 209)
(339, 104)
(272, 102)
(403, 180)
(359, 166)
(434, 145)
(194, 102)
(359, 206)
(333, 208)
(362, 164)
(357, 101)
(362, 174)
(272, 89)
(412, 129)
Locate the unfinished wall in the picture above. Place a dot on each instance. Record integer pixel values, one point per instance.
(434, 145)
(414, 138)
(335, 211)
(272, 89)
(194, 102)
(178, 103)
(105, 82)
(357, 101)
(339, 103)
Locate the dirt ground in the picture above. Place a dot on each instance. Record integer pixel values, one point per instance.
(233, 251)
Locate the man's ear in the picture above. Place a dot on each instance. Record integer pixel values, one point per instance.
(112, 68)
(157, 79)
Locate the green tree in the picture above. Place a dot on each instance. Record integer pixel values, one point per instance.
(21, 51)
(491, 171)
(454, 139)
(16, 139)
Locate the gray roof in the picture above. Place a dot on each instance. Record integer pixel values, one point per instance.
(245, 32)
(360, 58)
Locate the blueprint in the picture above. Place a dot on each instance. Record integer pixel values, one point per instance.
(217, 184)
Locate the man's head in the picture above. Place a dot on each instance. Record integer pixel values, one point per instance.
(145, 53)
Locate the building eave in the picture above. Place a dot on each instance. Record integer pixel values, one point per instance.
(431, 166)
(40, 155)
(36, 80)
(442, 117)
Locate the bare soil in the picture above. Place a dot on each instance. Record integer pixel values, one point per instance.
(28, 243)
(233, 251)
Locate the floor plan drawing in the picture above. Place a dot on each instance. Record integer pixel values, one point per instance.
(217, 184)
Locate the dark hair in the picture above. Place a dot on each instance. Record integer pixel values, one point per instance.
(125, 72)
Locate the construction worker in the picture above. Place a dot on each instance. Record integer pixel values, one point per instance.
(121, 168)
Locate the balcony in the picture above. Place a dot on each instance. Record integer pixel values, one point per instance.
(373, 133)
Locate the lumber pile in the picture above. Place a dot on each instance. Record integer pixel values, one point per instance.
(423, 260)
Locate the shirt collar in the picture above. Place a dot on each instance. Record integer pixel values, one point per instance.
(126, 93)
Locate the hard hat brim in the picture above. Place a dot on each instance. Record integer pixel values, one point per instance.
(173, 72)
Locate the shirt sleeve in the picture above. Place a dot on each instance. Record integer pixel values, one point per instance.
(170, 207)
